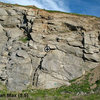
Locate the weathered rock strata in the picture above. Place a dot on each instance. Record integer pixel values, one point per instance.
(58, 47)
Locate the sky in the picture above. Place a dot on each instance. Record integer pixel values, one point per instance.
(87, 7)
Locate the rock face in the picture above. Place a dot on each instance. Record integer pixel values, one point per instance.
(44, 49)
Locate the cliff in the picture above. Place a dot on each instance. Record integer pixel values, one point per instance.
(44, 49)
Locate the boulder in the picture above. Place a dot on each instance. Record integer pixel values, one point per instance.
(14, 33)
(19, 76)
(11, 12)
(20, 56)
(47, 81)
(63, 64)
(30, 12)
(3, 12)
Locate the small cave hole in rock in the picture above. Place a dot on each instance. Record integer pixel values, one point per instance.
(25, 19)
(57, 39)
(98, 82)
(99, 39)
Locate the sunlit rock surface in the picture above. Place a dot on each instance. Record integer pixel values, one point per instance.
(44, 49)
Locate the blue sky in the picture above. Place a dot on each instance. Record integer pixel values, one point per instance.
(88, 7)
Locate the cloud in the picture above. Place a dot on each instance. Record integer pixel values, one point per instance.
(44, 4)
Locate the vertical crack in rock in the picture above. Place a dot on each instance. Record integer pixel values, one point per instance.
(35, 77)
(36, 74)
(99, 38)
(83, 42)
(27, 26)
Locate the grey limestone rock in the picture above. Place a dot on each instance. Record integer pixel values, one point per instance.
(45, 50)
(3, 12)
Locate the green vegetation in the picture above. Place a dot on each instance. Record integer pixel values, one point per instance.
(24, 39)
(53, 11)
(95, 96)
(78, 90)
(98, 82)
(64, 92)
(50, 11)
(10, 5)
(3, 89)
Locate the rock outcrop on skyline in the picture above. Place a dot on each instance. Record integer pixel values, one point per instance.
(45, 50)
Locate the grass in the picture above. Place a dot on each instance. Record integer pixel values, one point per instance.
(95, 96)
(67, 92)
(98, 82)
(24, 39)
(53, 11)
(62, 93)
(10, 5)
(50, 11)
